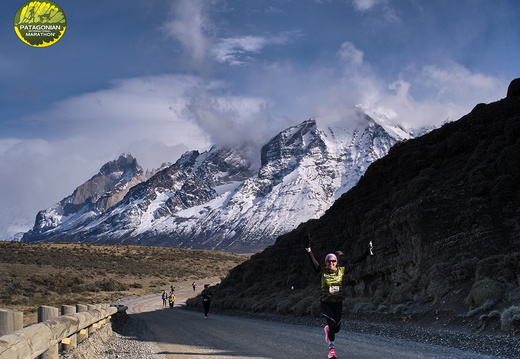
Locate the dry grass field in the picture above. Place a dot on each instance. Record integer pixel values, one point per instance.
(55, 274)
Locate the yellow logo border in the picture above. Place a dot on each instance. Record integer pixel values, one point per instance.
(38, 17)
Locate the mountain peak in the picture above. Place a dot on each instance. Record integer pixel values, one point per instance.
(95, 196)
(217, 199)
(288, 142)
(126, 162)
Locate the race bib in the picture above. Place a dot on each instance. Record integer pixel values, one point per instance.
(333, 289)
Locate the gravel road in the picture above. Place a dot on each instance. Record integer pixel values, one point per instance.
(153, 332)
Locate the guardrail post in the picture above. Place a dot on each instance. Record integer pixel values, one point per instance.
(81, 308)
(18, 320)
(41, 339)
(73, 339)
(45, 313)
(94, 326)
(6, 322)
(83, 333)
(10, 321)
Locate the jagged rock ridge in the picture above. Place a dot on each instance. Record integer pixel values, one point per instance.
(95, 196)
(217, 200)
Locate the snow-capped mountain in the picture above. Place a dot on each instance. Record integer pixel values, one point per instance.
(218, 200)
(93, 197)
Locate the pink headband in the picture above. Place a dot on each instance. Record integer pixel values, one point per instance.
(331, 256)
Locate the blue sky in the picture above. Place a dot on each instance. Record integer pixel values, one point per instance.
(158, 77)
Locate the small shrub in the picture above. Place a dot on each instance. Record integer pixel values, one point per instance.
(382, 308)
(510, 318)
(489, 318)
(483, 295)
(514, 295)
(502, 268)
(364, 308)
(109, 284)
(488, 304)
(400, 309)
(463, 268)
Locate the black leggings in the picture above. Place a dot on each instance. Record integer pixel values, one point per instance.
(205, 304)
(332, 314)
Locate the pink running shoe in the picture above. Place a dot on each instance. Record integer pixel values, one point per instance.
(326, 329)
(332, 353)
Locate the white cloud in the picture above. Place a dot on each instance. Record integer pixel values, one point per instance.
(156, 119)
(128, 114)
(142, 116)
(388, 13)
(429, 96)
(237, 50)
(230, 120)
(350, 54)
(455, 83)
(364, 5)
(191, 26)
(35, 174)
(434, 95)
(233, 51)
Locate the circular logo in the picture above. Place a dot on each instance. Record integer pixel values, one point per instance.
(40, 23)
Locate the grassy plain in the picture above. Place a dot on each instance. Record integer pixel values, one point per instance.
(55, 274)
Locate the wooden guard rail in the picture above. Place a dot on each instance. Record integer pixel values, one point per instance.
(44, 338)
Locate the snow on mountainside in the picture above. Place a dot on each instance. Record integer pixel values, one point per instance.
(216, 200)
(93, 197)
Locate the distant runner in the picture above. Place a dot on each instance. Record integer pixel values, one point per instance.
(206, 299)
(171, 299)
(164, 299)
(331, 280)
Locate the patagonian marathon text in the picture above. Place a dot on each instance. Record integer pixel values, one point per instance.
(40, 27)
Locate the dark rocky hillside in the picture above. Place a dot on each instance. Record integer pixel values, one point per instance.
(443, 212)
